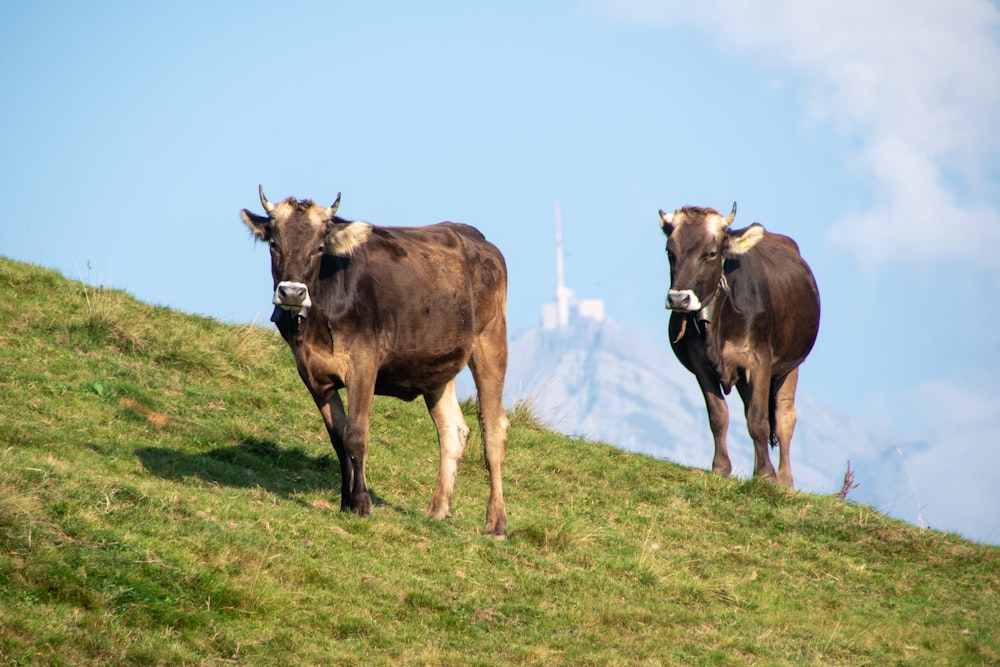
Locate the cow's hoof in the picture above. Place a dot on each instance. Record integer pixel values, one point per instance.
(439, 510)
(497, 527)
(362, 505)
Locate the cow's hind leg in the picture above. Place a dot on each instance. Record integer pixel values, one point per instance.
(784, 423)
(453, 434)
(489, 366)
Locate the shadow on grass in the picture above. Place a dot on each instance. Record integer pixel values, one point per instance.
(250, 464)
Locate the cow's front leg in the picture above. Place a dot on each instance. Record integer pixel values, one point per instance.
(756, 401)
(453, 434)
(359, 407)
(718, 421)
(335, 420)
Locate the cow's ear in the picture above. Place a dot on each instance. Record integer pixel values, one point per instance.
(666, 222)
(342, 240)
(739, 241)
(260, 225)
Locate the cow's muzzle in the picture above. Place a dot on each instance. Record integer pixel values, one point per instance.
(292, 296)
(683, 300)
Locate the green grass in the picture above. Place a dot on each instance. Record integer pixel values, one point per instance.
(168, 496)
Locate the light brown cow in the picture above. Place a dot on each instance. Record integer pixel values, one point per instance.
(395, 311)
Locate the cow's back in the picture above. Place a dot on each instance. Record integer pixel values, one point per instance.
(773, 286)
(418, 296)
(457, 255)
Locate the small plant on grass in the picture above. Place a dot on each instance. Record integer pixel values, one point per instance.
(848, 484)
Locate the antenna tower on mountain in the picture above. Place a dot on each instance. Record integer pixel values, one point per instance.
(565, 308)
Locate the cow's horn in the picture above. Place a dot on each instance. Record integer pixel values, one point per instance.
(268, 206)
(732, 214)
(332, 211)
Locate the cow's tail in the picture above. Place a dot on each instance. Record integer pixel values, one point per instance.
(772, 412)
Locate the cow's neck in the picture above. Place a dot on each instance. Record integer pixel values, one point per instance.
(290, 325)
(704, 316)
(701, 319)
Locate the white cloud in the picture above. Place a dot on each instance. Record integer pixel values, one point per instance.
(958, 473)
(915, 81)
(957, 410)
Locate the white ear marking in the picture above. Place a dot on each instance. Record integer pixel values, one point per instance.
(667, 222)
(342, 242)
(741, 241)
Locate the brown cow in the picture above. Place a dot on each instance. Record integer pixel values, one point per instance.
(394, 311)
(745, 313)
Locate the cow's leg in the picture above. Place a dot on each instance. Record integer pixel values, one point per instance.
(718, 421)
(784, 424)
(336, 421)
(489, 366)
(360, 396)
(756, 397)
(453, 434)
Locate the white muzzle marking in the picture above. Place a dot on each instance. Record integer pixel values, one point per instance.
(683, 300)
(292, 296)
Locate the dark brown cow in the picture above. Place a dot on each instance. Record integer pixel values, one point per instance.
(394, 311)
(745, 313)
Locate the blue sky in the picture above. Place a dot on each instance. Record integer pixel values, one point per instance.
(132, 133)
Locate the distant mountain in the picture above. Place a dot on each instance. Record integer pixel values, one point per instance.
(597, 380)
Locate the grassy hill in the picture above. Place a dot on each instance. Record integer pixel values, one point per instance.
(168, 496)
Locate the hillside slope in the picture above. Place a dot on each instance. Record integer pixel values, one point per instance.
(168, 496)
(596, 379)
